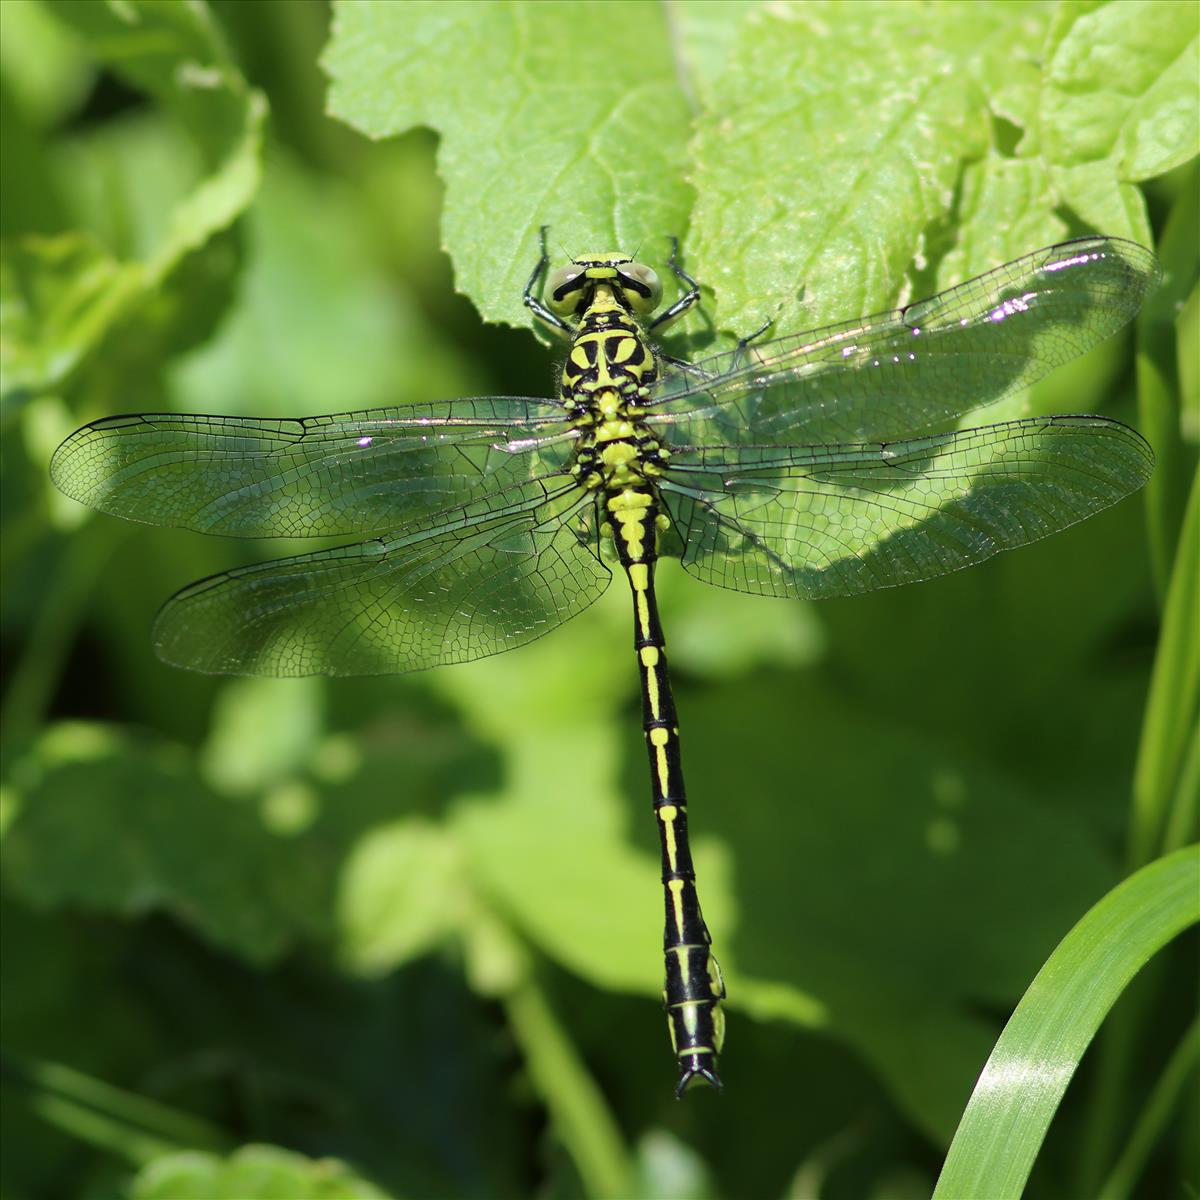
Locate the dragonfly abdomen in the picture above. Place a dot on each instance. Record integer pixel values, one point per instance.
(694, 987)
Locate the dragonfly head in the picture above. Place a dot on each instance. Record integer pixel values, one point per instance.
(633, 285)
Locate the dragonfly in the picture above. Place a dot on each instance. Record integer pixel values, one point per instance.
(826, 463)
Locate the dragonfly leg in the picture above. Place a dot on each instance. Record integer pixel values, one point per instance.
(735, 362)
(688, 368)
(686, 301)
(740, 348)
(541, 313)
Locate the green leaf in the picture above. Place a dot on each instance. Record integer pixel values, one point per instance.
(1118, 105)
(180, 847)
(978, 144)
(404, 891)
(526, 139)
(717, 633)
(263, 731)
(704, 33)
(890, 939)
(1037, 1055)
(318, 324)
(261, 1172)
(170, 50)
(59, 296)
(810, 133)
(43, 76)
(1006, 206)
(42, 64)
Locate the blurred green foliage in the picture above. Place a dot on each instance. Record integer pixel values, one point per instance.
(413, 923)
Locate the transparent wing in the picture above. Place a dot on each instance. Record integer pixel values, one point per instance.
(916, 369)
(836, 521)
(462, 585)
(351, 473)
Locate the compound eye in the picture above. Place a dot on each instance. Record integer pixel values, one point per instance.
(562, 289)
(646, 294)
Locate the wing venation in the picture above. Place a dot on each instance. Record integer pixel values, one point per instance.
(917, 369)
(456, 587)
(345, 474)
(828, 521)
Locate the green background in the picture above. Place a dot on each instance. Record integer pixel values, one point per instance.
(413, 924)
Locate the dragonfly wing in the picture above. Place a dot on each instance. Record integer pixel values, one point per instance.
(920, 368)
(829, 521)
(458, 587)
(350, 473)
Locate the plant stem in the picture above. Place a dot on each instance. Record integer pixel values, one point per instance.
(581, 1118)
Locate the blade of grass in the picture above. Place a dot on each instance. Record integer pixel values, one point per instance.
(1155, 1116)
(1158, 381)
(1162, 815)
(1027, 1073)
(1181, 825)
(121, 1122)
(1173, 705)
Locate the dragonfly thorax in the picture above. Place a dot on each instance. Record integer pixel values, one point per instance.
(609, 354)
(607, 377)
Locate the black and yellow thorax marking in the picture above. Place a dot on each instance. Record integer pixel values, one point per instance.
(599, 303)
(606, 379)
(610, 351)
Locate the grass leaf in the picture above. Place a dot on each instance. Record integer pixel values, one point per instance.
(1041, 1046)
